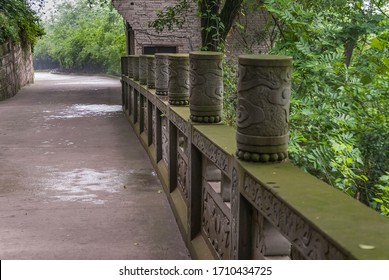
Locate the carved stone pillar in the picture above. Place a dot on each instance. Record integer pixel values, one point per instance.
(206, 86)
(131, 62)
(161, 73)
(179, 79)
(136, 67)
(151, 71)
(264, 89)
(143, 69)
(124, 64)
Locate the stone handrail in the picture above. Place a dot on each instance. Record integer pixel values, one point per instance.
(234, 194)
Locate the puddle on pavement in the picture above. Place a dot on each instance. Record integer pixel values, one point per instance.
(86, 110)
(75, 79)
(92, 82)
(90, 186)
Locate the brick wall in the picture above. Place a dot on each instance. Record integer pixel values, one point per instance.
(16, 69)
(251, 38)
(239, 41)
(139, 13)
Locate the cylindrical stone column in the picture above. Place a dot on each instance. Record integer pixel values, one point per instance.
(131, 62)
(136, 67)
(161, 73)
(264, 89)
(143, 69)
(206, 86)
(124, 64)
(151, 71)
(179, 79)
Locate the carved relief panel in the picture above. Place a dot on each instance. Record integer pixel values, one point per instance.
(182, 165)
(310, 243)
(216, 226)
(165, 140)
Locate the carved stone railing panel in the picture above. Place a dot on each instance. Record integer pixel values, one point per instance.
(267, 240)
(159, 102)
(165, 140)
(308, 241)
(180, 123)
(213, 153)
(145, 114)
(216, 226)
(154, 125)
(130, 99)
(183, 165)
(136, 106)
(234, 213)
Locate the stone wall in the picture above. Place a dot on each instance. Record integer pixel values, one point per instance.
(16, 69)
(139, 13)
(249, 35)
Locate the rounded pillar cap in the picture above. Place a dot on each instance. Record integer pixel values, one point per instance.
(265, 60)
(162, 54)
(179, 56)
(206, 55)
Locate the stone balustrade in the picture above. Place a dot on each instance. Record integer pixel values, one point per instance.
(234, 194)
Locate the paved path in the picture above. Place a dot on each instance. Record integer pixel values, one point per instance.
(75, 182)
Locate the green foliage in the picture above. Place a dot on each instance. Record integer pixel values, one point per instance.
(173, 16)
(339, 108)
(381, 196)
(217, 18)
(19, 23)
(230, 93)
(84, 37)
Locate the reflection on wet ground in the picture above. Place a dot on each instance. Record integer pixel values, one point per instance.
(85, 110)
(75, 183)
(85, 185)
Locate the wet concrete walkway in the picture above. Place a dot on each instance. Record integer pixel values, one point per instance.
(75, 183)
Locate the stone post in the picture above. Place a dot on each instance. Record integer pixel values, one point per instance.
(179, 79)
(131, 62)
(161, 73)
(264, 89)
(151, 71)
(124, 64)
(143, 69)
(136, 67)
(206, 86)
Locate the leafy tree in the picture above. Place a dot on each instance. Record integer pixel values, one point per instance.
(84, 37)
(339, 116)
(18, 22)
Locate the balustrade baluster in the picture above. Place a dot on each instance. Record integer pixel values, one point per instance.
(161, 73)
(206, 87)
(178, 79)
(264, 88)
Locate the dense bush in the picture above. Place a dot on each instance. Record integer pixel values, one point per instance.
(339, 110)
(339, 123)
(84, 37)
